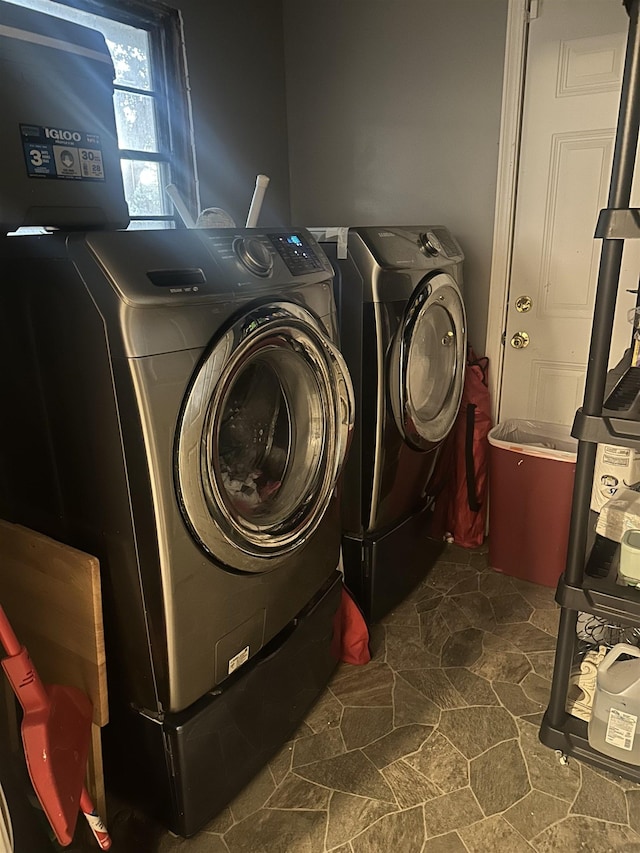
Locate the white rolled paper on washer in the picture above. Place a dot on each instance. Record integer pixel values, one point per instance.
(262, 182)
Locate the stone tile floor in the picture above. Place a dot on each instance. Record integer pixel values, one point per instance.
(430, 748)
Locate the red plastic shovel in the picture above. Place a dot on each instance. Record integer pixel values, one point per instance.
(56, 730)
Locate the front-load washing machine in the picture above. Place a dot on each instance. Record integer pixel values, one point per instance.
(176, 405)
(403, 334)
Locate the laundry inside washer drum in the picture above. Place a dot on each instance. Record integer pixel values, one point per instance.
(259, 447)
(254, 438)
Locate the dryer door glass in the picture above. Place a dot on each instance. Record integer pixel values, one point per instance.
(430, 362)
(431, 365)
(262, 437)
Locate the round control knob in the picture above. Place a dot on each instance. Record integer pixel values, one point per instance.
(254, 255)
(429, 244)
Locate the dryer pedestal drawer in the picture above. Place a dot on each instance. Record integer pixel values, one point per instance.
(408, 547)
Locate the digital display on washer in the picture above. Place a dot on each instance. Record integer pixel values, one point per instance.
(297, 254)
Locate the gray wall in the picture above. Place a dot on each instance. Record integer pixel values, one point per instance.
(360, 111)
(394, 117)
(235, 56)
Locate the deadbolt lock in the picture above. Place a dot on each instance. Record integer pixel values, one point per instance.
(524, 304)
(520, 340)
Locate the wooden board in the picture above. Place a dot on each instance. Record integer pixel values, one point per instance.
(51, 595)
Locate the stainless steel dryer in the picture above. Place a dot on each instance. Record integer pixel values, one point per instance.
(179, 409)
(403, 334)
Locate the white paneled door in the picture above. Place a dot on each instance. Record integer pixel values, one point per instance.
(575, 63)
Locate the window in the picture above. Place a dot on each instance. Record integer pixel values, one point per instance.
(150, 99)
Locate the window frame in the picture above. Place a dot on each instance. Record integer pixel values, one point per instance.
(170, 90)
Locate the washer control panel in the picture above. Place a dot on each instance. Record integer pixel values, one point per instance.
(156, 266)
(296, 252)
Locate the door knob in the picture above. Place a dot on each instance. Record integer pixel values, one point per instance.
(520, 340)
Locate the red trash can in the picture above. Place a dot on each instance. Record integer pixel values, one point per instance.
(531, 472)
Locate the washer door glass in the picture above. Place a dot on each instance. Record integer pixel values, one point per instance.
(263, 436)
(266, 446)
(429, 356)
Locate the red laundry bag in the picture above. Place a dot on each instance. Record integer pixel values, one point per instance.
(461, 507)
(355, 634)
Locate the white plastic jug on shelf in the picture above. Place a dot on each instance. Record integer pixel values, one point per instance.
(629, 570)
(613, 727)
